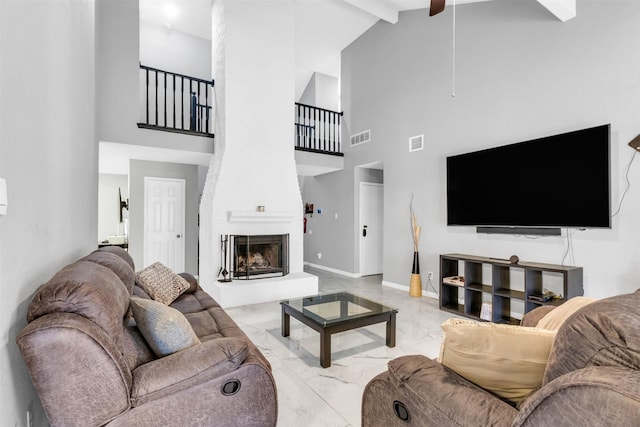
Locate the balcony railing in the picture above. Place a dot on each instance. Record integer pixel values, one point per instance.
(317, 130)
(176, 103)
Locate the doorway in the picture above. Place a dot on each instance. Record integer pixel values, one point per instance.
(371, 228)
(164, 229)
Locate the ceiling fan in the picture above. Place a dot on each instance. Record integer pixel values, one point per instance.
(436, 7)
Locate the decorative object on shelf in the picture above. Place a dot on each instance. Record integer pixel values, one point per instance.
(260, 208)
(415, 287)
(485, 311)
(514, 259)
(454, 280)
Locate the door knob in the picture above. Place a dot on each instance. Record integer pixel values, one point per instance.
(364, 231)
(178, 236)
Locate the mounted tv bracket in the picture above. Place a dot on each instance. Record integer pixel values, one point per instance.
(542, 231)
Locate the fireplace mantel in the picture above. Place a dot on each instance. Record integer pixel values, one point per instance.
(254, 216)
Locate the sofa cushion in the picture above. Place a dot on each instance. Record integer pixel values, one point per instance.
(604, 333)
(555, 318)
(117, 250)
(135, 349)
(165, 329)
(87, 289)
(116, 264)
(507, 360)
(162, 284)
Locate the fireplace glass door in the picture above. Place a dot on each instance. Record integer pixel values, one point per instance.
(260, 256)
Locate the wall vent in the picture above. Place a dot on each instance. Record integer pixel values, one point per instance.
(416, 143)
(361, 138)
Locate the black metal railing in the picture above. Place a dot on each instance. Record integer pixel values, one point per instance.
(175, 102)
(317, 130)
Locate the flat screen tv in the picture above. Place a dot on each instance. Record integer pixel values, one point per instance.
(556, 181)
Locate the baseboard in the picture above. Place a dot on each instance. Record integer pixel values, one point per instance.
(333, 270)
(425, 293)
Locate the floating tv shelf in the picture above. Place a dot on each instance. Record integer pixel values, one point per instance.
(494, 283)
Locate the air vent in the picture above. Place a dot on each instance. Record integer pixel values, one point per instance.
(361, 138)
(416, 143)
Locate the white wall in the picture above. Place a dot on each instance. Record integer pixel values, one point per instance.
(108, 209)
(520, 74)
(174, 51)
(322, 91)
(49, 156)
(119, 90)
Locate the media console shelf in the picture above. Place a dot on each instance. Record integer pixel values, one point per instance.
(468, 282)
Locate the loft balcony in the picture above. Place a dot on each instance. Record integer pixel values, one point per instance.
(317, 140)
(175, 102)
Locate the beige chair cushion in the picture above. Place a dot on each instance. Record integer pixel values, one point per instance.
(506, 360)
(162, 284)
(165, 329)
(556, 317)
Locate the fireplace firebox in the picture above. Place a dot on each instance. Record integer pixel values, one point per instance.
(258, 256)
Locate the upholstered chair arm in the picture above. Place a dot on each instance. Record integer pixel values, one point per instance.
(193, 282)
(186, 368)
(611, 395)
(532, 318)
(80, 375)
(432, 395)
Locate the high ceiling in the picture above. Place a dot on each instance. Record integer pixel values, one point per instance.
(323, 27)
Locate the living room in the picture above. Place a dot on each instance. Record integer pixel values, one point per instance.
(519, 74)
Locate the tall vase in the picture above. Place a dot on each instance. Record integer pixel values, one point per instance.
(415, 288)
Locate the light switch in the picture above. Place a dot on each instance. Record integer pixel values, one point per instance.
(3, 196)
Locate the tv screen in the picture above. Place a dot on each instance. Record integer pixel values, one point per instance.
(556, 181)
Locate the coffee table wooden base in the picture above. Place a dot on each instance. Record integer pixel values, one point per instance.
(327, 330)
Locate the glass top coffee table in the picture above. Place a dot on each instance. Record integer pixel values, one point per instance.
(333, 313)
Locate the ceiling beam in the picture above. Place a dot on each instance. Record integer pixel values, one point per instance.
(378, 8)
(562, 9)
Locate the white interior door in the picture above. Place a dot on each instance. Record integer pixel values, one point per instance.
(164, 208)
(371, 213)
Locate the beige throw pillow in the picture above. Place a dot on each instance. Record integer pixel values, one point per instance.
(162, 284)
(165, 329)
(506, 360)
(556, 317)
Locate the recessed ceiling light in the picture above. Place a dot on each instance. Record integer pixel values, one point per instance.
(170, 10)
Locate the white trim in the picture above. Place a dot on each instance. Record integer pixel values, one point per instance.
(255, 216)
(333, 270)
(425, 293)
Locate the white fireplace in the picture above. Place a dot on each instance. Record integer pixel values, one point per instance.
(252, 186)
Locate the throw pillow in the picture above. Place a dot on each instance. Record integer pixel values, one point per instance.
(165, 329)
(506, 360)
(556, 317)
(162, 284)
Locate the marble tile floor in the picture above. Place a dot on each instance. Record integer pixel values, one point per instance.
(311, 396)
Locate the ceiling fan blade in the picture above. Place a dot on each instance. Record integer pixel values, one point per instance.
(436, 7)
